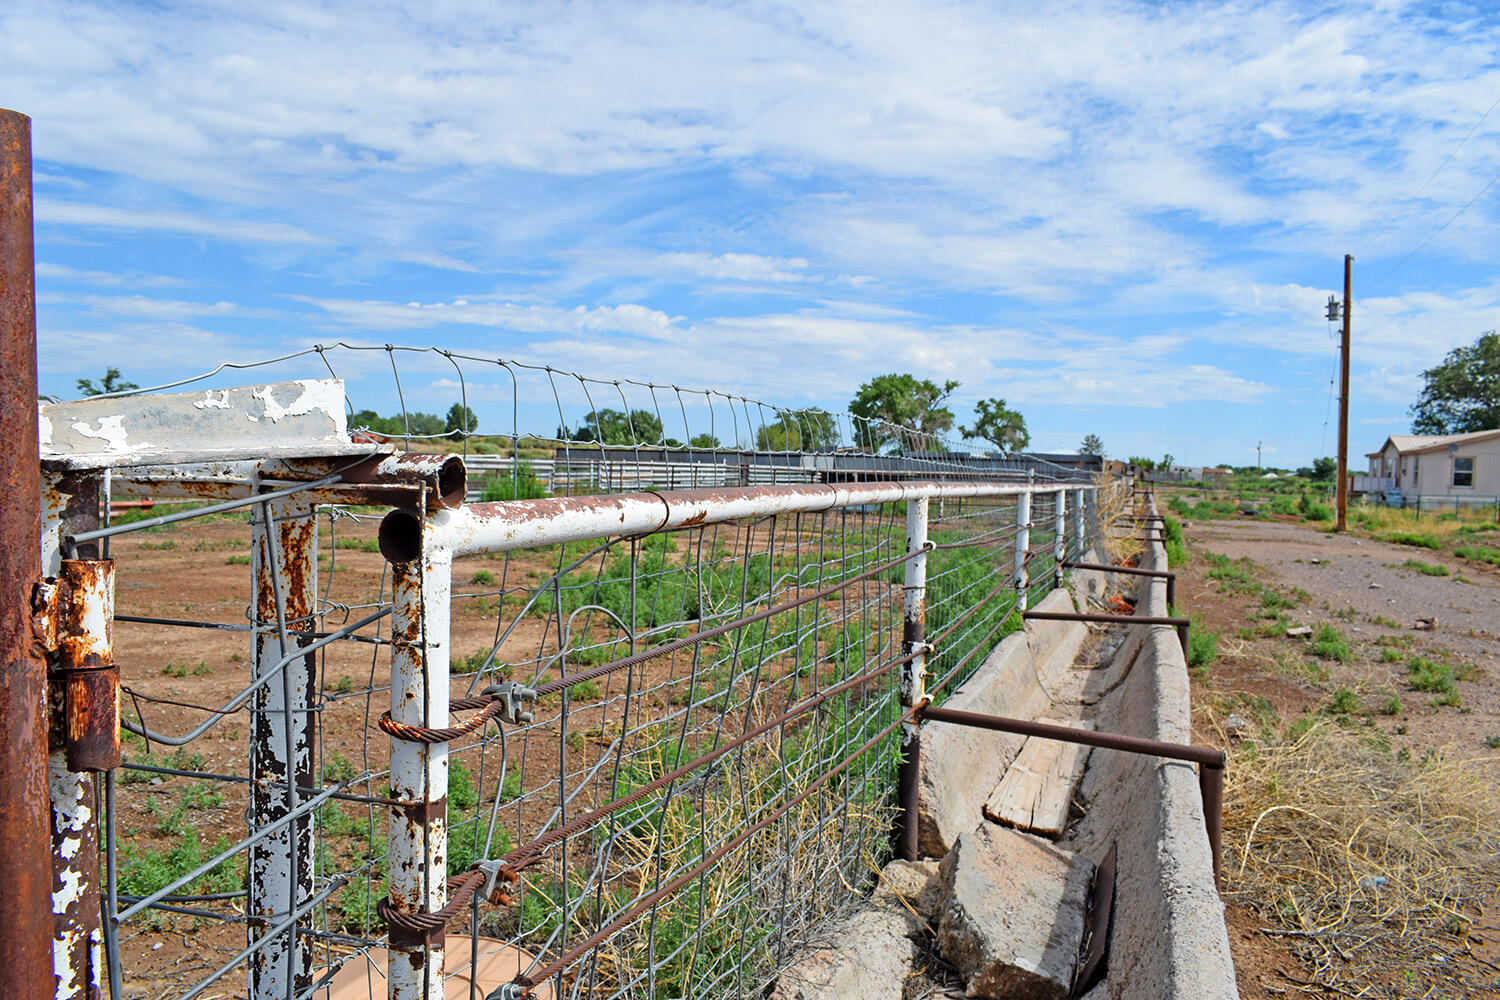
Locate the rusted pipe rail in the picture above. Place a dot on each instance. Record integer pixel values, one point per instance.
(1180, 624)
(1169, 576)
(1211, 762)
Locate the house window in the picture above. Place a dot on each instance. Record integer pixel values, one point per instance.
(1463, 471)
(1416, 469)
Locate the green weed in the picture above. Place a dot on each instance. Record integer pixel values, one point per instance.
(1331, 644)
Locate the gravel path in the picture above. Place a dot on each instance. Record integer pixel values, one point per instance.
(1366, 575)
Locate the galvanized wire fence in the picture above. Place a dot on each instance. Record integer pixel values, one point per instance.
(709, 769)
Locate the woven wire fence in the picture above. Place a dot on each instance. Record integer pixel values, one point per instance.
(679, 821)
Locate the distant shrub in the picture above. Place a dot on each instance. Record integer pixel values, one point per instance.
(520, 485)
(1425, 568)
(1478, 553)
(1411, 538)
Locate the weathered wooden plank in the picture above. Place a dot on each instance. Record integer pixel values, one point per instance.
(1037, 788)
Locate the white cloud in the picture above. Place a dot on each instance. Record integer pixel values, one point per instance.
(47, 272)
(72, 213)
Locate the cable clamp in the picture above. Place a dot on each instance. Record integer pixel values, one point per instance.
(513, 697)
(495, 872)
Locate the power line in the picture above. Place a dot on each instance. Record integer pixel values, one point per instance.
(1366, 289)
(1433, 176)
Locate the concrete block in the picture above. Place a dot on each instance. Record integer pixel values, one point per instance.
(959, 765)
(1013, 916)
(868, 955)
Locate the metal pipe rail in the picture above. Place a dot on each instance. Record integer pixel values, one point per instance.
(1181, 624)
(1169, 576)
(421, 547)
(505, 526)
(1211, 762)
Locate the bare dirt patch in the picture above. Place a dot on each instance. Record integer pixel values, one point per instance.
(1252, 580)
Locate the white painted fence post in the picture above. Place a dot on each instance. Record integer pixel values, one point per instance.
(913, 672)
(1023, 543)
(420, 650)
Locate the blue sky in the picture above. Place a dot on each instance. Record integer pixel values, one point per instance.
(1123, 219)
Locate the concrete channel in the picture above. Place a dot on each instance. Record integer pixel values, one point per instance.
(1018, 915)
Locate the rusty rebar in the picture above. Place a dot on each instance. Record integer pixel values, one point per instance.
(1169, 576)
(1211, 761)
(25, 810)
(1182, 625)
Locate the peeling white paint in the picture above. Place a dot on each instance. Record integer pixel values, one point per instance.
(209, 402)
(111, 430)
(318, 396)
(43, 428)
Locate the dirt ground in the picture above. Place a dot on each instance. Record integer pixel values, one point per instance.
(1358, 585)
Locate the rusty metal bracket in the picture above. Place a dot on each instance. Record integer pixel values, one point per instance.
(1099, 925)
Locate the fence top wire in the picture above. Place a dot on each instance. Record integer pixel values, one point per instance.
(609, 418)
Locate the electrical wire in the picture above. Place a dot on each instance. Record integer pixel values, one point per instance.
(1433, 176)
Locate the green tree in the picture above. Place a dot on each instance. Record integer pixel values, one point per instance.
(704, 441)
(1091, 445)
(999, 425)
(111, 382)
(900, 401)
(1324, 469)
(1463, 392)
(1145, 464)
(616, 427)
(798, 430)
(461, 422)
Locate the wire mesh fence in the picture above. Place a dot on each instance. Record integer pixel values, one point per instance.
(708, 774)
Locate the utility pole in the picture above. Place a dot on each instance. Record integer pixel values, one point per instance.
(1343, 487)
(1257, 456)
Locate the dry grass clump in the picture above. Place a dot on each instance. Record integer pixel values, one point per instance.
(1115, 506)
(1371, 861)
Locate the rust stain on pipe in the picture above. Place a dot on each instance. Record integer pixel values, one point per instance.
(86, 681)
(25, 811)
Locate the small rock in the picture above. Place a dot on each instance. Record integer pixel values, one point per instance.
(1236, 722)
(869, 955)
(1297, 631)
(1375, 586)
(917, 884)
(1315, 562)
(1425, 624)
(154, 781)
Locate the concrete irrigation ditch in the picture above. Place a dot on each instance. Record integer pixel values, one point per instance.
(1007, 911)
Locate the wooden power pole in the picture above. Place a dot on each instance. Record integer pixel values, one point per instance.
(1343, 488)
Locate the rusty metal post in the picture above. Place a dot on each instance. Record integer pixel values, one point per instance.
(1023, 545)
(84, 696)
(1060, 535)
(420, 590)
(284, 594)
(25, 860)
(913, 674)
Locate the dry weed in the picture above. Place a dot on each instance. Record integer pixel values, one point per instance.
(1373, 863)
